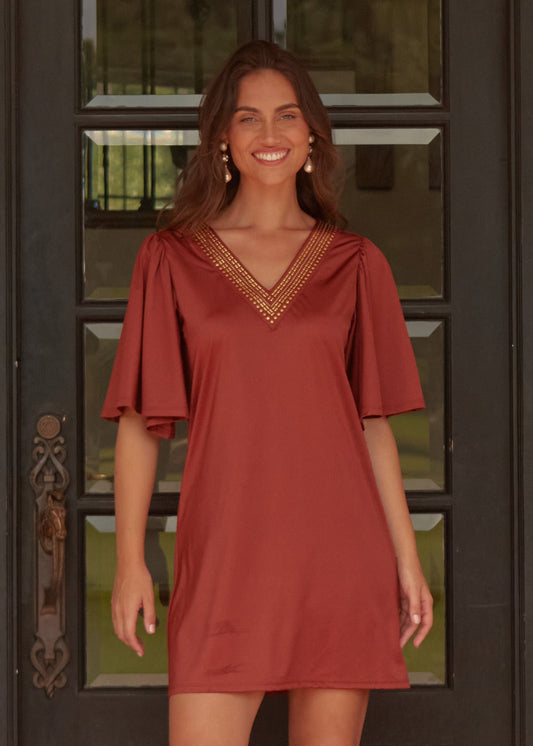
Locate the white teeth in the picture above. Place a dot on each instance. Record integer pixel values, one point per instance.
(271, 156)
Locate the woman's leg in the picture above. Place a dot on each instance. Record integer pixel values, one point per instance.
(212, 719)
(326, 717)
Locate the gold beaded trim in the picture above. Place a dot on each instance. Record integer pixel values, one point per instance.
(270, 303)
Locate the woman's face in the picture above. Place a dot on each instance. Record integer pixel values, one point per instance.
(268, 136)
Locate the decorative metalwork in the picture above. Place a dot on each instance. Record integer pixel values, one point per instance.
(49, 480)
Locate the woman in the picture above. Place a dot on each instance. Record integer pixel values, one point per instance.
(281, 338)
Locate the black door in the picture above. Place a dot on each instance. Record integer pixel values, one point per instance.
(107, 95)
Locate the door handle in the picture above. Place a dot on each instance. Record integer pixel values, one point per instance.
(49, 479)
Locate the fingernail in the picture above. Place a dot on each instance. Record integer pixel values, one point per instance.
(151, 628)
(416, 618)
(140, 655)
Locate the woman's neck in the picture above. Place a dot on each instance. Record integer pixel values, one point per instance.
(265, 208)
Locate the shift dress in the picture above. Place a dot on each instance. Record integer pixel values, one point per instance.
(284, 574)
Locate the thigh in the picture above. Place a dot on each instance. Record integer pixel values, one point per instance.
(212, 718)
(326, 716)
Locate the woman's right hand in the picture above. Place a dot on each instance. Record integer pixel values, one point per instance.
(133, 590)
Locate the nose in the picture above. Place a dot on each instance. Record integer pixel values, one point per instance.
(269, 132)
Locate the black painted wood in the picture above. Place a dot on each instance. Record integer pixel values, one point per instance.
(8, 428)
(525, 360)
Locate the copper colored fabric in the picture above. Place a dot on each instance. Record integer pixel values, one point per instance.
(285, 574)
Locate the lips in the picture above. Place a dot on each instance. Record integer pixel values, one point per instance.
(271, 156)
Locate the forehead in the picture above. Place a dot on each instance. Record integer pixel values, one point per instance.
(263, 87)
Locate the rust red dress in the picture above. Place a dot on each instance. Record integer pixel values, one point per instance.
(285, 574)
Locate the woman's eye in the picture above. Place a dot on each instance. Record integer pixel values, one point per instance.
(248, 119)
(288, 115)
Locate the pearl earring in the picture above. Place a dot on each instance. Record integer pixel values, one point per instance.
(308, 165)
(225, 158)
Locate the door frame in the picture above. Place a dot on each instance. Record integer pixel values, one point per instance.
(520, 18)
(521, 155)
(8, 374)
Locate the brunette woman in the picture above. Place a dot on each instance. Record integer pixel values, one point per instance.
(280, 337)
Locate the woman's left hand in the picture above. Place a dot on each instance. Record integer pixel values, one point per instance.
(416, 604)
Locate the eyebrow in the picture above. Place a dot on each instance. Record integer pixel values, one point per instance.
(279, 108)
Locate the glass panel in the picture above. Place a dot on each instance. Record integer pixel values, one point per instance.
(101, 341)
(420, 435)
(366, 53)
(129, 176)
(108, 661)
(156, 52)
(427, 664)
(393, 194)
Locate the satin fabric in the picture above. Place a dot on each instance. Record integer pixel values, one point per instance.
(284, 573)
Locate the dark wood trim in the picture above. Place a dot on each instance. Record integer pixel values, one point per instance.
(524, 203)
(8, 375)
(515, 355)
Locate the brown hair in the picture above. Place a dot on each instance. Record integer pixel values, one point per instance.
(201, 191)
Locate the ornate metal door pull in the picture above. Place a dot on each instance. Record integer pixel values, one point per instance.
(49, 479)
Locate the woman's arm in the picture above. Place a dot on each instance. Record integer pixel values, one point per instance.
(135, 465)
(416, 603)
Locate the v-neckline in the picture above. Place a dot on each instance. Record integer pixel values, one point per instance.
(269, 302)
(251, 274)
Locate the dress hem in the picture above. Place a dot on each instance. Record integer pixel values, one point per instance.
(281, 687)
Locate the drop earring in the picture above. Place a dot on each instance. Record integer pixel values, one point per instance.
(308, 165)
(225, 158)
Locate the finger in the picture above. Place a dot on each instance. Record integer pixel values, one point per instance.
(407, 632)
(411, 616)
(427, 621)
(129, 631)
(150, 620)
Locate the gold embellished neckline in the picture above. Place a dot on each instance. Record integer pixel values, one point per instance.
(270, 303)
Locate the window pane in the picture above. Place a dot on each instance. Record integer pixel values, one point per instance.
(420, 435)
(101, 342)
(108, 661)
(129, 175)
(393, 194)
(427, 664)
(366, 52)
(156, 52)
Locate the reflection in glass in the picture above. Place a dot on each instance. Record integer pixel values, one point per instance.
(156, 52)
(108, 661)
(110, 664)
(366, 53)
(393, 194)
(101, 341)
(420, 435)
(427, 664)
(129, 176)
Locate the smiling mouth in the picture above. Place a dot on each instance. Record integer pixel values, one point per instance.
(272, 156)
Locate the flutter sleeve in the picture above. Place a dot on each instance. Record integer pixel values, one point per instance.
(381, 364)
(148, 373)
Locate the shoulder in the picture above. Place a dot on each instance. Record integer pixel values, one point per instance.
(160, 246)
(362, 247)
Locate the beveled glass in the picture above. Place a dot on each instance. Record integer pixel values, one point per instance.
(151, 53)
(101, 342)
(427, 664)
(420, 435)
(129, 175)
(393, 193)
(366, 52)
(109, 663)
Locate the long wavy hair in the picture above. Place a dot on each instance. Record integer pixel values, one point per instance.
(201, 191)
